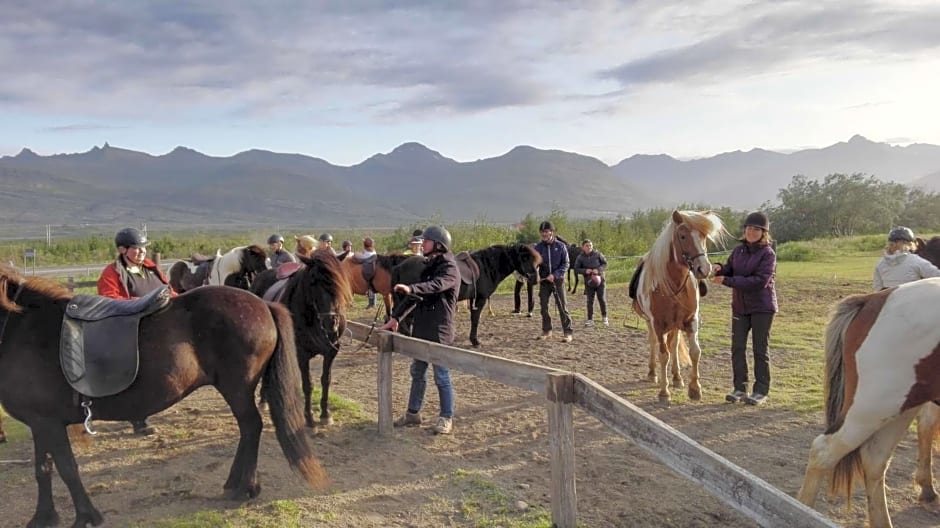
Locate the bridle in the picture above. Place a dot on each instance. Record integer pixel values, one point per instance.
(686, 256)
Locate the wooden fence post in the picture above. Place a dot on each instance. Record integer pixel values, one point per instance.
(560, 394)
(385, 347)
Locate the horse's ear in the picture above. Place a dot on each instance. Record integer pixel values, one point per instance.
(677, 217)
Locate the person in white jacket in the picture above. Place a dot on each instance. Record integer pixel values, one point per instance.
(899, 265)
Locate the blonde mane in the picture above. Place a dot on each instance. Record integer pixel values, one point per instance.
(705, 223)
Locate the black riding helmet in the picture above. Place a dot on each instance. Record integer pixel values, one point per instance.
(901, 233)
(757, 219)
(547, 225)
(275, 239)
(130, 237)
(326, 237)
(438, 234)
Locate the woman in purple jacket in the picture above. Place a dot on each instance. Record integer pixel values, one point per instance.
(750, 272)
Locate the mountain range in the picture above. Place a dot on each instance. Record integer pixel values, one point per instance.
(413, 183)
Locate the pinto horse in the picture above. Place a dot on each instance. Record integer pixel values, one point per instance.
(495, 263)
(235, 268)
(667, 295)
(317, 295)
(380, 281)
(218, 336)
(882, 359)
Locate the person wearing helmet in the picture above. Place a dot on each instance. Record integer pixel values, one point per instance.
(279, 255)
(434, 303)
(552, 271)
(592, 264)
(326, 243)
(414, 247)
(368, 251)
(347, 246)
(899, 264)
(130, 276)
(750, 272)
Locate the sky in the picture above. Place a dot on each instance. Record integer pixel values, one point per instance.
(470, 79)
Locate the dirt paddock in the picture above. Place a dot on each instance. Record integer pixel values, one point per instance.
(417, 479)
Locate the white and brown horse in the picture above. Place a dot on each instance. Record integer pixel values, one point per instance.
(237, 268)
(882, 368)
(667, 296)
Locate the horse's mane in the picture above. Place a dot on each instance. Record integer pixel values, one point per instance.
(329, 268)
(509, 248)
(705, 223)
(40, 285)
(391, 260)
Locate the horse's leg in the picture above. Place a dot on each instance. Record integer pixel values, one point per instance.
(3, 436)
(475, 322)
(875, 455)
(45, 514)
(653, 342)
(673, 345)
(56, 443)
(695, 353)
(325, 417)
(664, 353)
(492, 313)
(242, 482)
(387, 299)
(307, 386)
(928, 420)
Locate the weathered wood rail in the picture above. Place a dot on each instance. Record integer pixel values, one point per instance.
(738, 488)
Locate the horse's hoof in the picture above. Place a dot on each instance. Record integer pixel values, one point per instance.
(678, 383)
(44, 520)
(326, 421)
(652, 377)
(695, 394)
(3, 438)
(82, 520)
(310, 423)
(475, 344)
(242, 494)
(663, 398)
(928, 500)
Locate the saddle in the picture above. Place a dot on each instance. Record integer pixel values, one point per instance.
(284, 272)
(98, 346)
(368, 266)
(468, 267)
(199, 258)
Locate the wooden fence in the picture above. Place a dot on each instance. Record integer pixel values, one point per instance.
(738, 488)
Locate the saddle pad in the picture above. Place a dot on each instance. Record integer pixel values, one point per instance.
(276, 291)
(287, 269)
(468, 267)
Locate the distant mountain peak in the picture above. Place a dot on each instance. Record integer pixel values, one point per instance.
(860, 139)
(26, 154)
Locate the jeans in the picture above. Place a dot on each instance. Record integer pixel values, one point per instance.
(555, 289)
(517, 296)
(419, 383)
(759, 325)
(601, 292)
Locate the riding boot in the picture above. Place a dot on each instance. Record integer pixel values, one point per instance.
(141, 428)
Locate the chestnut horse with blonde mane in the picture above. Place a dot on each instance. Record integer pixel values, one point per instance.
(882, 369)
(381, 282)
(668, 295)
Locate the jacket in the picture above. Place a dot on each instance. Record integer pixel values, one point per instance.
(750, 272)
(113, 280)
(281, 257)
(595, 260)
(434, 313)
(554, 259)
(899, 268)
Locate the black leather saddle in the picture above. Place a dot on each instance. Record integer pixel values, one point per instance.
(98, 344)
(468, 267)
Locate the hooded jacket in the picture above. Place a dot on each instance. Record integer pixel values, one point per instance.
(554, 259)
(898, 268)
(438, 289)
(113, 280)
(750, 273)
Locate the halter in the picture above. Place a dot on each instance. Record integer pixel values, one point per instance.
(688, 259)
(6, 317)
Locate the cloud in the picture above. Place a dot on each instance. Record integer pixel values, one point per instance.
(78, 127)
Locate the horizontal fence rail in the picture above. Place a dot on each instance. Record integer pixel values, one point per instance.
(738, 488)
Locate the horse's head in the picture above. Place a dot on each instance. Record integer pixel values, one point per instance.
(323, 290)
(928, 249)
(252, 261)
(528, 263)
(691, 232)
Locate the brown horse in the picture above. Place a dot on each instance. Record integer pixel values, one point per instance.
(317, 295)
(215, 335)
(668, 295)
(381, 281)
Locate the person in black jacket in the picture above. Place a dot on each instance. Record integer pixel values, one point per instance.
(433, 302)
(554, 254)
(592, 264)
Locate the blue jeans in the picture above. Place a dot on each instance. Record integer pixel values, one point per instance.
(419, 382)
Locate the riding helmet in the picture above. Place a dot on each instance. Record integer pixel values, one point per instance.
(417, 233)
(326, 237)
(547, 225)
(438, 234)
(757, 219)
(347, 244)
(130, 237)
(275, 239)
(901, 233)
(367, 242)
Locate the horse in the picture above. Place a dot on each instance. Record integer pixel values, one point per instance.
(235, 268)
(574, 250)
(881, 369)
(218, 336)
(317, 295)
(667, 296)
(379, 270)
(494, 264)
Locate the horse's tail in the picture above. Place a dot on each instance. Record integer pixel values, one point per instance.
(685, 359)
(842, 315)
(176, 274)
(281, 388)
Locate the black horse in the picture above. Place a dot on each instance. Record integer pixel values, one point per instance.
(218, 336)
(495, 264)
(928, 249)
(237, 268)
(574, 251)
(317, 295)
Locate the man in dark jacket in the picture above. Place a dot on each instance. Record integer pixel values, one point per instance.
(433, 302)
(552, 280)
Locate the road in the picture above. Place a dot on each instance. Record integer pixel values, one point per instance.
(80, 271)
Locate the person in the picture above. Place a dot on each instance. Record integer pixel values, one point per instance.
(278, 254)
(750, 272)
(434, 306)
(130, 276)
(552, 273)
(347, 246)
(368, 251)
(900, 264)
(305, 245)
(592, 265)
(521, 282)
(414, 247)
(326, 243)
